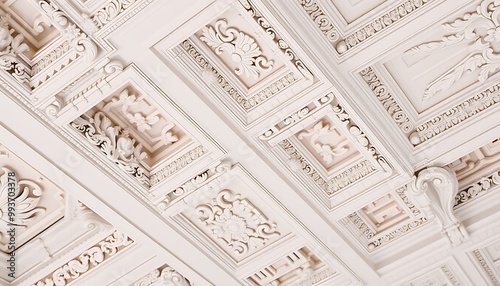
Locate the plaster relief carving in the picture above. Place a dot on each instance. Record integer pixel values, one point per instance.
(384, 220)
(322, 21)
(327, 151)
(243, 49)
(434, 191)
(11, 47)
(115, 143)
(299, 268)
(111, 11)
(164, 275)
(87, 260)
(237, 222)
(26, 197)
(481, 31)
(487, 263)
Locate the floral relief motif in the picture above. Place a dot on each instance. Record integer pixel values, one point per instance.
(481, 30)
(10, 48)
(327, 151)
(86, 261)
(26, 195)
(115, 143)
(142, 122)
(236, 221)
(167, 275)
(243, 49)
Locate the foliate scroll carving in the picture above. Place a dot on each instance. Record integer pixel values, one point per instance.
(217, 78)
(78, 40)
(479, 188)
(322, 21)
(481, 31)
(111, 11)
(327, 151)
(89, 259)
(381, 23)
(26, 196)
(143, 122)
(115, 143)
(361, 137)
(397, 233)
(333, 185)
(385, 97)
(191, 185)
(449, 274)
(10, 49)
(434, 191)
(282, 44)
(243, 49)
(237, 222)
(164, 275)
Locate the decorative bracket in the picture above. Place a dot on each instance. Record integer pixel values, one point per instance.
(434, 191)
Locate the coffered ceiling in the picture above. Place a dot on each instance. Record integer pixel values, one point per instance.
(250, 142)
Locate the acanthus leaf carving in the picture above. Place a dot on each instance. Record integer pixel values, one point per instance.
(237, 222)
(483, 55)
(111, 11)
(10, 49)
(115, 143)
(26, 197)
(434, 191)
(165, 274)
(243, 49)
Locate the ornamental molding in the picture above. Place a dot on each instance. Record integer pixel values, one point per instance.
(342, 43)
(115, 143)
(321, 20)
(434, 191)
(204, 179)
(87, 260)
(78, 40)
(164, 275)
(11, 48)
(399, 232)
(449, 274)
(484, 264)
(326, 151)
(111, 11)
(244, 51)
(26, 197)
(300, 267)
(444, 121)
(336, 183)
(483, 55)
(481, 187)
(237, 222)
(387, 99)
(213, 76)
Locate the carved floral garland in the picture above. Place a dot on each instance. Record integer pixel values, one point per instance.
(237, 222)
(243, 48)
(115, 143)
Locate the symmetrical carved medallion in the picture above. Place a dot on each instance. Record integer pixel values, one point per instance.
(237, 222)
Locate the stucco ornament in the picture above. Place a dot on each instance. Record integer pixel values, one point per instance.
(243, 49)
(481, 31)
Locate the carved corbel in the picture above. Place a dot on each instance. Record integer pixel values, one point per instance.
(434, 191)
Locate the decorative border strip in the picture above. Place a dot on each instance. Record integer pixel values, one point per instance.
(402, 194)
(486, 267)
(477, 189)
(396, 233)
(177, 165)
(89, 259)
(449, 274)
(212, 74)
(387, 100)
(337, 183)
(361, 225)
(317, 277)
(461, 112)
(322, 21)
